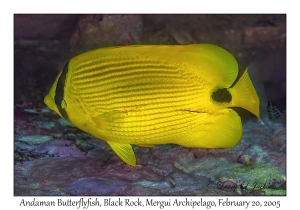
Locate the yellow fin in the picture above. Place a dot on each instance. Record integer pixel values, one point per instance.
(100, 121)
(124, 151)
(146, 145)
(226, 129)
(216, 64)
(103, 120)
(222, 129)
(244, 95)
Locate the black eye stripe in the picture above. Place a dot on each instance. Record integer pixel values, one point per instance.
(59, 92)
(63, 113)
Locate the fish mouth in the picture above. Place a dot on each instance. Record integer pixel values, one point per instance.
(47, 100)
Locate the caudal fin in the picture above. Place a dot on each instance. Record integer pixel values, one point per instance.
(244, 95)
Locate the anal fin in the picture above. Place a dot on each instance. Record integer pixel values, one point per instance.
(222, 129)
(124, 151)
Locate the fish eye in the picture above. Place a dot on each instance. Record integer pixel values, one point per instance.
(221, 95)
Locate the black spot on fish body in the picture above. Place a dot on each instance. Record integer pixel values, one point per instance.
(221, 95)
(59, 92)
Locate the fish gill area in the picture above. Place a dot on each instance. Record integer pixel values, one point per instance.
(52, 157)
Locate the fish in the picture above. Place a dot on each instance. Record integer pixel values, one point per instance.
(148, 95)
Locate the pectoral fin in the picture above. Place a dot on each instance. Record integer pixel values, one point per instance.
(124, 151)
(103, 120)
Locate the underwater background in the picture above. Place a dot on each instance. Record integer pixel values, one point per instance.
(51, 157)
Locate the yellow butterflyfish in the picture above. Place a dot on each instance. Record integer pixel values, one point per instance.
(155, 94)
